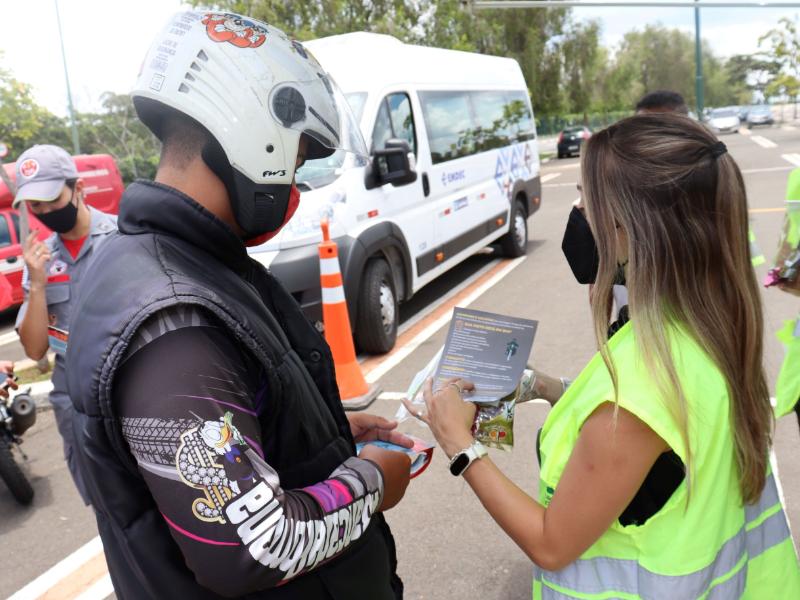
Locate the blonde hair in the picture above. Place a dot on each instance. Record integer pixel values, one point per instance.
(681, 201)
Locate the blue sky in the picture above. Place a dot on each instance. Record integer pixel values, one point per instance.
(106, 40)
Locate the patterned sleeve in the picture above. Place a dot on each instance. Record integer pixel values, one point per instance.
(191, 403)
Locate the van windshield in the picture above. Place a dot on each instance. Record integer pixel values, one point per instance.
(322, 171)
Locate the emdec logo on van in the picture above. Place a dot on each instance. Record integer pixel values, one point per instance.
(29, 168)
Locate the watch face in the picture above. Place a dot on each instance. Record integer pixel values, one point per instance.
(459, 464)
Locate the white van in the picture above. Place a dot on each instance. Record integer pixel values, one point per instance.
(454, 167)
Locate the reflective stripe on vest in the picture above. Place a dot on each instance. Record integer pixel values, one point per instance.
(602, 575)
(756, 256)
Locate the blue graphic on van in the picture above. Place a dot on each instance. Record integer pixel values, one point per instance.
(513, 163)
(453, 177)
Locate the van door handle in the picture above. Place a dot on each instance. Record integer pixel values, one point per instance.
(426, 185)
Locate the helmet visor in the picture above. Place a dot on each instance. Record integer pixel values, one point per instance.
(318, 109)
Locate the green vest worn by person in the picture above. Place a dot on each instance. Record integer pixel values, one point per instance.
(707, 546)
(787, 389)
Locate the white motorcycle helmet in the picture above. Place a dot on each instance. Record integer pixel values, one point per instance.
(256, 91)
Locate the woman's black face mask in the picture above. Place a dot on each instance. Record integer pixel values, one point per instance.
(579, 247)
(63, 219)
(580, 250)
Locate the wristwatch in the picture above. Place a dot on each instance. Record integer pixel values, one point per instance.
(462, 460)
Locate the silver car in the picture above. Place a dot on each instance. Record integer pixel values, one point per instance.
(724, 120)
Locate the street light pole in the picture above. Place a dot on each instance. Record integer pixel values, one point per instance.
(698, 60)
(76, 144)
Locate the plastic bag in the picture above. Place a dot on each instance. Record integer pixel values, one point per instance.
(787, 261)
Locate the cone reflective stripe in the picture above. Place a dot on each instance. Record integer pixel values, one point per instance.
(353, 388)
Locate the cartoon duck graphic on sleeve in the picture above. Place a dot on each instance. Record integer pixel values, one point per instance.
(223, 438)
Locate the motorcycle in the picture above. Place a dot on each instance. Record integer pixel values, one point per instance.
(17, 415)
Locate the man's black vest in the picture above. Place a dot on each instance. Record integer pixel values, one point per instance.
(172, 251)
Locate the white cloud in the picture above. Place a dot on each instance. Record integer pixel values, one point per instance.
(105, 42)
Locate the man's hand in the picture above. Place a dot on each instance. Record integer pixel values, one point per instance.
(366, 428)
(7, 368)
(396, 467)
(36, 256)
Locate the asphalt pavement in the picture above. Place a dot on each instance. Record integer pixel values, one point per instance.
(449, 548)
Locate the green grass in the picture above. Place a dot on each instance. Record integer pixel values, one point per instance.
(543, 155)
(32, 375)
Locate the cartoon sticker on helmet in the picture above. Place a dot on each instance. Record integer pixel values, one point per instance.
(240, 32)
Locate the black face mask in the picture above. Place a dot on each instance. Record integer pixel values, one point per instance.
(63, 219)
(580, 250)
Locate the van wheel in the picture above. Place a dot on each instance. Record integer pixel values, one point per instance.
(515, 242)
(376, 325)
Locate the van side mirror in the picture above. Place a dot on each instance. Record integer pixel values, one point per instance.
(391, 164)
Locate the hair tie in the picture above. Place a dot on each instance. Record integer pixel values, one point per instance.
(718, 149)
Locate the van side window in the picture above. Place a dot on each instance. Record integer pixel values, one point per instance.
(402, 119)
(448, 119)
(5, 233)
(383, 128)
(394, 120)
(493, 120)
(520, 116)
(461, 123)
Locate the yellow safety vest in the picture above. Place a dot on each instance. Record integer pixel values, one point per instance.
(787, 388)
(712, 547)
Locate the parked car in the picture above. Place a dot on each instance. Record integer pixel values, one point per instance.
(724, 120)
(742, 112)
(570, 140)
(759, 115)
(454, 167)
(103, 187)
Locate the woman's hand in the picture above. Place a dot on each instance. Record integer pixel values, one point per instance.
(448, 415)
(789, 289)
(366, 428)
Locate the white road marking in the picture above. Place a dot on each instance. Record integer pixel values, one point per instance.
(430, 308)
(392, 396)
(60, 571)
(560, 185)
(763, 142)
(765, 170)
(390, 363)
(9, 338)
(101, 589)
(550, 177)
(558, 165)
(792, 158)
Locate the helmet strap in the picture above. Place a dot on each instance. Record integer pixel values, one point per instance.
(257, 208)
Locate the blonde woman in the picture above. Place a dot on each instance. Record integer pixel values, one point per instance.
(679, 389)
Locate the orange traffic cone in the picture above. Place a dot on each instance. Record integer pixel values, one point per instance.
(356, 393)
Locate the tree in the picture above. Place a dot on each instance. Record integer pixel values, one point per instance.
(521, 34)
(754, 72)
(784, 44)
(784, 85)
(580, 52)
(22, 120)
